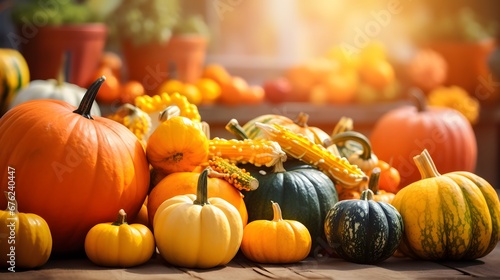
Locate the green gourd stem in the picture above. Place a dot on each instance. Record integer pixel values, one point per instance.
(302, 119)
(202, 188)
(277, 215)
(89, 98)
(425, 165)
(121, 219)
(12, 204)
(235, 128)
(418, 98)
(366, 195)
(357, 137)
(374, 178)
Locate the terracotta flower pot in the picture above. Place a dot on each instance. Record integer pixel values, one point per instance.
(468, 67)
(44, 48)
(150, 63)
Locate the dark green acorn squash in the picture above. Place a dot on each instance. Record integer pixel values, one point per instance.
(363, 230)
(304, 194)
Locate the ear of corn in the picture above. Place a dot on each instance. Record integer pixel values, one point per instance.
(157, 103)
(238, 177)
(134, 119)
(300, 147)
(255, 151)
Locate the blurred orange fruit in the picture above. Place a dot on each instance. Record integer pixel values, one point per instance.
(170, 86)
(377, 73)
(130, 90)
(254, 95)
(113, 61)
(192, 93)
(109, 91)
(218, 73)
(209, 89)
(232, 92)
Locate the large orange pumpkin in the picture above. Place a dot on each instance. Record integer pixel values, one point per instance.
(402, 133)
(72, 169)
(181, 183)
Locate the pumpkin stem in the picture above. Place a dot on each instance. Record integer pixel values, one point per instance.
(418, 98)
(89, 98)
(12, 203)
(169, 112)
(426, 165)
(357, 137)
(366, 195)
(278, 166)
(202, 188)
(277, 215)
(374, 178)
(302, 119)
(235, 128)
(121, 219)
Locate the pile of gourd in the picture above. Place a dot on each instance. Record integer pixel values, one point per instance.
(275, 191)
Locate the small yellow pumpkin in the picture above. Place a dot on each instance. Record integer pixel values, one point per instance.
(195, 231)
(276, 241)
(25, 239)
(119, 244)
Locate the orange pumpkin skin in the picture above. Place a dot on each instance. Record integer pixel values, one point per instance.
(181, 183)
(402, 133)
(66, 165)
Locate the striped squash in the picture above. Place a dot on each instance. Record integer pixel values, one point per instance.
(454, 216)
(363, 230)
(14, 74)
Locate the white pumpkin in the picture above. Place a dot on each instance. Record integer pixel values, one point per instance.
(52, 89)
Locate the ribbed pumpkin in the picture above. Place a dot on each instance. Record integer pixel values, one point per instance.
(363, 230)
(196, 231)
(14, 75)
(72, 169)
(277, 241)
(177, 145)
(304, 194)
(299, 125)
(444, 132)
(179, 183)
(27, 233)
(454, 216)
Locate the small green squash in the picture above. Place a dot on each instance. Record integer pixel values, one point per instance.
(363, 230)
(304, 194)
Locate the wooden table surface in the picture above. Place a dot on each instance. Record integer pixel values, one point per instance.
(240, 268)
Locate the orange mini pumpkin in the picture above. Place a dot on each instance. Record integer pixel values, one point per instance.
(177, 145)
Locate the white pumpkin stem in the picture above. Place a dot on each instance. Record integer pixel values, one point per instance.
(277, 215)
(426, 165)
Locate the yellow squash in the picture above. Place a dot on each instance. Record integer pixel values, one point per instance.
(25, 238)
(276, 241)
(119, 244)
